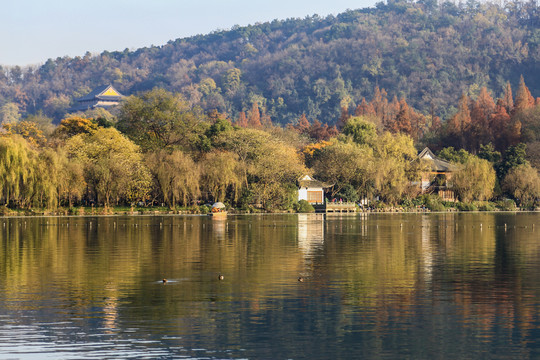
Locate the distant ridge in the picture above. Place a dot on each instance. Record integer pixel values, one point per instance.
(425, 52)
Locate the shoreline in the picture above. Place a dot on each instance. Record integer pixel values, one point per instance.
(188, 214)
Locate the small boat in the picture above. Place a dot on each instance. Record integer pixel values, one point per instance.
(218, 211)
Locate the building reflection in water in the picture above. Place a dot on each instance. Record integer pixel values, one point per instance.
(427, 250)
(310, 233)
(110, 311)
(219, 227)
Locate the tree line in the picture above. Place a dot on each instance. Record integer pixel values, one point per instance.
(157, 148)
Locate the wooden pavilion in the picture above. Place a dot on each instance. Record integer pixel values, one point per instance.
(438, 179)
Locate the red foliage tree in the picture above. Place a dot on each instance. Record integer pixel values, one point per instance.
(242, 120)
(459, 124)
(480, 132)
(302, 126)
(499, 125)
(254, 118)
(508, 100)
(364, 109)
(524, 99)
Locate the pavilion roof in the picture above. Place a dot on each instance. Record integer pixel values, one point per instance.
(309, 182)
(437, 164)
(104, 92)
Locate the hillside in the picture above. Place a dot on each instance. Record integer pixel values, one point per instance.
(427, 53)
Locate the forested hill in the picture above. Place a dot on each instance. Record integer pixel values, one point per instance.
(429, 54)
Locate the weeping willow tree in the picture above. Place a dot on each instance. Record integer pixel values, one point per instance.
(45, 179)
(222, 171)
(71, 182)
(16, 170)
(113, 165)
(176, 175)
(270, 166)
(395, 167)
(475, 181)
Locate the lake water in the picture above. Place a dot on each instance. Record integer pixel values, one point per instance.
(377, 286)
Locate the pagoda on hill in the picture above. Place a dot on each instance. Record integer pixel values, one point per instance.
(104, 96)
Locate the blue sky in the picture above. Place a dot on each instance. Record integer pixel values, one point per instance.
(34, 30)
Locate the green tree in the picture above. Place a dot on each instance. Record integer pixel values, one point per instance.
(100, 115)
(220, 125)
(348, 193)
(55, 106)
(514, 156)
(247, 143)
(488, 152)
(207, 86)
(457, 156)
(159, 119)
(360, 130)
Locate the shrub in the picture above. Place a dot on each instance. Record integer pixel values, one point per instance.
(486, 206)
(303, 206)
(72, 211)
(348, 193)
(432, 202)
(464, 206)
(407, 203)
(507, 205)
(204, 209)
(436, 206)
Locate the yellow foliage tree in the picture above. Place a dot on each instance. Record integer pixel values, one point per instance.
(523, 183)
(221, 171)
(176, 174)
(475, 181)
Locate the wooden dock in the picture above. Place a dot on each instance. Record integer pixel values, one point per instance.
(340, 207)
